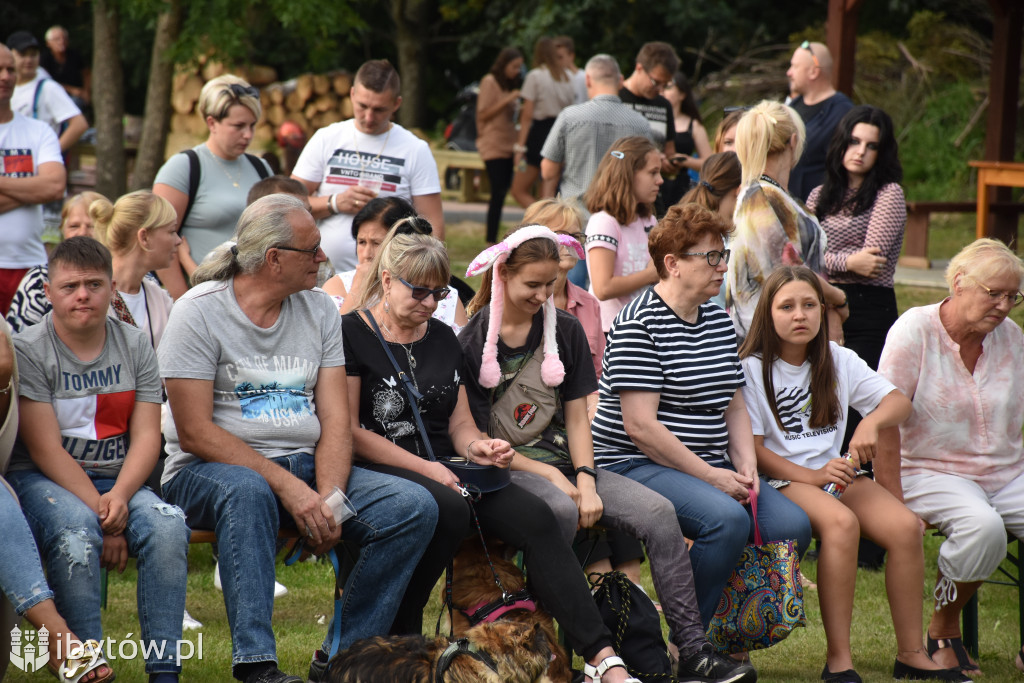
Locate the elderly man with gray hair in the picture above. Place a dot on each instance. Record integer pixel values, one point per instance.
(583, 132)
(255, 373)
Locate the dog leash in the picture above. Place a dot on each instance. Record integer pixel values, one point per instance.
(462, 646)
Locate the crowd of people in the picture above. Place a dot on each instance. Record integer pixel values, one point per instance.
(226, 350)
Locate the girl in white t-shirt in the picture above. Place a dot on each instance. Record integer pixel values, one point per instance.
(621, 201)
(799, 388)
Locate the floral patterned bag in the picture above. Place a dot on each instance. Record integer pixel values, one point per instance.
(763, 600)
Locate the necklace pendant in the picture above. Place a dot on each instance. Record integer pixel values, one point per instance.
(412, 362)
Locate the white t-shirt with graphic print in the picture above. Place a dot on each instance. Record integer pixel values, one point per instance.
(859, 387)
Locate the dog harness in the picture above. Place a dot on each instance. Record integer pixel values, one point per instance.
(462, 646)
(494, 610)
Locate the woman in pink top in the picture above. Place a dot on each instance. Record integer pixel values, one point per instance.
(496, 107)
(961, 362)
(621, 201)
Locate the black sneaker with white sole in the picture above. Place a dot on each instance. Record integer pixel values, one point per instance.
(707, 664)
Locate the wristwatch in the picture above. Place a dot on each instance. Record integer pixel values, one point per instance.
(586, 470)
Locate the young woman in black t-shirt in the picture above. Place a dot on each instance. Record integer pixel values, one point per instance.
(515, 322)
(409, 272)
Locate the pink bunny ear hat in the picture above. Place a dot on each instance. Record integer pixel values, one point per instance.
(552, 371)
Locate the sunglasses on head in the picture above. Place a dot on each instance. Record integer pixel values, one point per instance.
(239, 90)
(421, 293)
(806, 45)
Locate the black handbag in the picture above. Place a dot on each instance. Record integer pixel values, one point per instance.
(481, 478)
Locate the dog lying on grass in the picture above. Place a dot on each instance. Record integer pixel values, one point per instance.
(503, 652)
(473, 588)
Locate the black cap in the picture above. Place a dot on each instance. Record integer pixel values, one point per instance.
(21, 41)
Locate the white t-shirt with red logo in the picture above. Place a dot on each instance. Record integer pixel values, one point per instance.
(338, 155)
(25, 144)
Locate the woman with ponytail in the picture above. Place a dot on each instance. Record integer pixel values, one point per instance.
(772, 227)
(140, 230)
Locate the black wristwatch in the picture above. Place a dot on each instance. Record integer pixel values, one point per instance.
(586, 470)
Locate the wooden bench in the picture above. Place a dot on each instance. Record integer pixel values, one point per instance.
(915, 238)
(460, 173)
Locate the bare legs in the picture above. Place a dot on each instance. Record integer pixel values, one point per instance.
(866, 508)
(45, 613)
(946, 621)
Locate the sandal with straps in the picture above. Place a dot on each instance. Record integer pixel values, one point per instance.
(956, 643)
(596, 672)
(74, 669)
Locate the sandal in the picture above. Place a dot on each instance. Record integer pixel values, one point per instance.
(74, 669)
(596, 672)
(956, 644)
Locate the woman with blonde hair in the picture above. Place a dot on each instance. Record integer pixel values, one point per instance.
(140, 229)
(772, 227)
(410, 275)
(958, 461)
(547, 90)
(230, 107)
(30, 304)
(621, 201)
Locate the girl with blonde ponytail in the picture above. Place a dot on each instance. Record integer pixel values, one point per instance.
(773, 228)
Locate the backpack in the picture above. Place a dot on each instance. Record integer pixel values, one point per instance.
(635, 625)
(194, 173)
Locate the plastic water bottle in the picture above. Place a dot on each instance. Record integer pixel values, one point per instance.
(836, 490)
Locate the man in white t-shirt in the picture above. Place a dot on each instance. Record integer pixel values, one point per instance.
(37, 96)
(347, 164)
(31, 172)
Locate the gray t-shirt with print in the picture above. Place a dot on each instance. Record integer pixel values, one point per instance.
(93, 400)
(263, 378)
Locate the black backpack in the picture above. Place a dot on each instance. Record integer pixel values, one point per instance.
(194, 171)
(635, 625)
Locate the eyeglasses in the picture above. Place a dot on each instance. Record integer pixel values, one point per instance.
(578, 236)
(239, 90)
(658, 84)
(421, 293)
(1015, 298)
(713, 257)
(312, 251)
(806, 45)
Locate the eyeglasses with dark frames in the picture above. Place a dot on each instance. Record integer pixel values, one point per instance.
(713, 257)
(1015, 298)
(312, 251)
(421, 293)
(658, 84)
(806, 45)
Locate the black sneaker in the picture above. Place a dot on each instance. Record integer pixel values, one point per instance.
(272, 674)
(708, 665)
(318, 667)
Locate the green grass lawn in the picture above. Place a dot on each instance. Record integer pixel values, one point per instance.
(300, 618)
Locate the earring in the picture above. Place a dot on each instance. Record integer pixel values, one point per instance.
(387, 305)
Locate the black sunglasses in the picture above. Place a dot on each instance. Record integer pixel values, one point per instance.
(421, 293)
(239, 90)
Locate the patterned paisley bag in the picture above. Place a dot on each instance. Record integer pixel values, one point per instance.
(763, 600)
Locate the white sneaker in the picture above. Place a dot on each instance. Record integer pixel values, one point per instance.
(188, 623)
(279, 589)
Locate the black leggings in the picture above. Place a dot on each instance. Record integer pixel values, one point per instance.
(499, 173)
(526, 523)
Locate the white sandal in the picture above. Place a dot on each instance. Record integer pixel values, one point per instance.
(596, 672)
(74, 669)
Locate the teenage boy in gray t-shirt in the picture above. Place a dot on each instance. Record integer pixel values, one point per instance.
(89, 437)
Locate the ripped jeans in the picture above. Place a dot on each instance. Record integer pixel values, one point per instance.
(70, 541)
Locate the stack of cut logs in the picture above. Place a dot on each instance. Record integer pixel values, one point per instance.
(312, 101)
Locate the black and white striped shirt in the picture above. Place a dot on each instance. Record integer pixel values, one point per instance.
(694, 366)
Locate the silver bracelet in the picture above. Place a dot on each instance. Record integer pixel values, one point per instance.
(332, 204)
(469, 448)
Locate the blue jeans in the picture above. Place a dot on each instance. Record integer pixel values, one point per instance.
(719, 526)
(71, 541)
(21, 574)
(394, 523)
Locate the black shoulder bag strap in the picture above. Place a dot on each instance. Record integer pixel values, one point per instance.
(257, 163)
(411, 392)
(193, 183)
